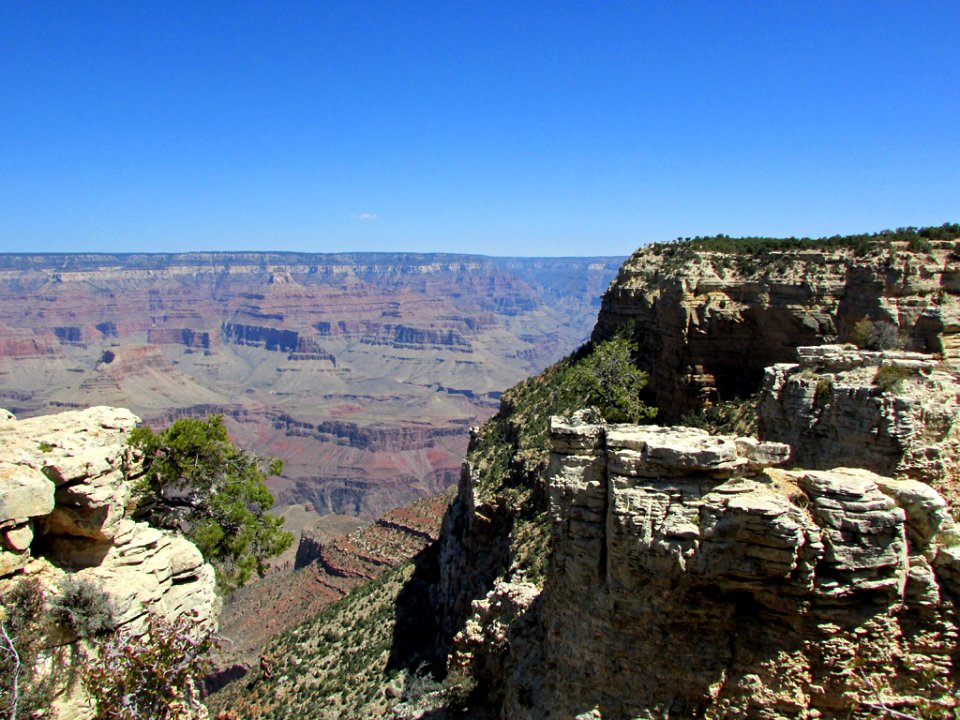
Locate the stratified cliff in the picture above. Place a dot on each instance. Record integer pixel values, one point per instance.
(595, 570)
(686, 582)
(708, 321)
(65, 496)
(682, 578)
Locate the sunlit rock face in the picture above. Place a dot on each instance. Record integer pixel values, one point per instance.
(708, 323)
(362, 371)
(896, 413)
(688, 579)
(65, 499)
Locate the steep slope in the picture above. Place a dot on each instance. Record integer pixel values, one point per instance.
(362, 371)
(610, 571)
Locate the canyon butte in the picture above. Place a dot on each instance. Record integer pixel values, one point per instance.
(781, 541)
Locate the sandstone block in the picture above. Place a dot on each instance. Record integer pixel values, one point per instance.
(925, 508)
(24, 492)
(10, 562)
(18, 537)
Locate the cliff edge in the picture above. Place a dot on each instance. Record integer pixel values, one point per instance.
(711, 314)
(65, 497)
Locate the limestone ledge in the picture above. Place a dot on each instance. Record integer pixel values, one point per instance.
(691, 577)
(833, 408)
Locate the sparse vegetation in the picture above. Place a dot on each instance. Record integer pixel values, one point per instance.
(824, 391)
(875, 335)
(332, 666)
(196, 479)
(727, 417)
(773, 255)
(889, 378)
(83, 607)
(24, 691)
(155, 676)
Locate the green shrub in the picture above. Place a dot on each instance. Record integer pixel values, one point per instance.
(726, 417)
(83, 607)
(874, 335)
(824, 391)
(196, 479)
(609, 380)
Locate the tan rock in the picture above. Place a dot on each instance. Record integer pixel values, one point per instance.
(18, 537)
(715, 591)
(708, 323)
(84, 528)
(24, 492)
(839, 417)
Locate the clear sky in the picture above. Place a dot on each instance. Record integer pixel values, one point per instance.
(505, 128)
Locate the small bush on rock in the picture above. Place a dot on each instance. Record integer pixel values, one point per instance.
(83, 607)
(890, 377)
(155, 676)
(875, 335)
(24, 692)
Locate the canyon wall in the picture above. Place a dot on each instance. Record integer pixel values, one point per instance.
(696, 575)
(687, 582)
(709, 322)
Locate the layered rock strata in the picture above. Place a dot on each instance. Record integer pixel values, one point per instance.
(319, 359)
(708, 323)
(690, 579)
(64, 503)
(896, 413)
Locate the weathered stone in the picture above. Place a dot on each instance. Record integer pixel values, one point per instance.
(707, 324)
(24, 492)
(10, 562)
(838, 416)
(926, 509)
(663, 583)
(83, 526)
(19, 537)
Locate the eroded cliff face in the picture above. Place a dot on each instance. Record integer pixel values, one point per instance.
(709, 322)
(893, 412)
(693, 575)
(64, 505)
(687, 582)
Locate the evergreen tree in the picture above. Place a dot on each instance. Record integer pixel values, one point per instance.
(196, 479)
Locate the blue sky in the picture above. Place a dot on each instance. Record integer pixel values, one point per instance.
(505, 128)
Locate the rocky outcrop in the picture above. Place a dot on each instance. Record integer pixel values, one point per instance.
(708, 323)
(177, 336)
(687, 579)
(64, 503)
(892, 412)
